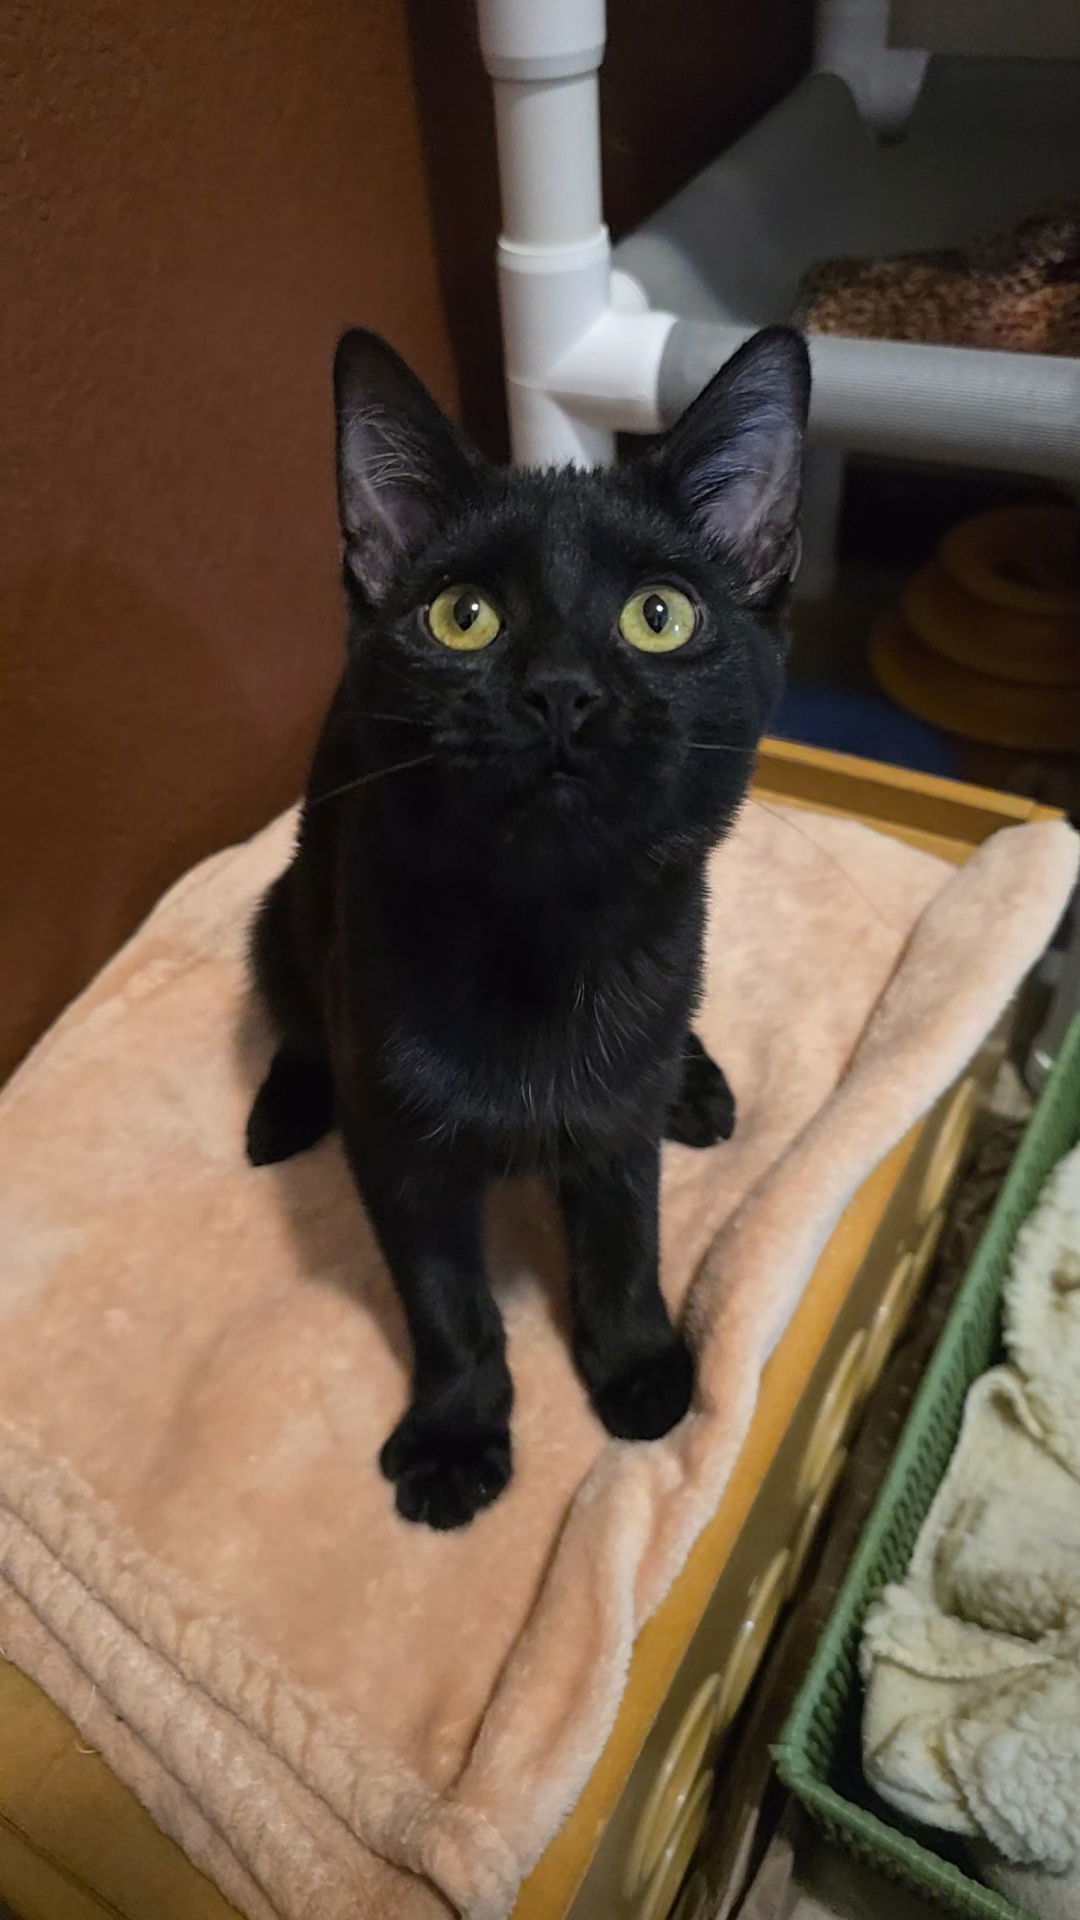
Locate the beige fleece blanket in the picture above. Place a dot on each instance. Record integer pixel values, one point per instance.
(337, 1714)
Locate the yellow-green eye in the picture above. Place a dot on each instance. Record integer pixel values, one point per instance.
(657, 620)
(463, 618)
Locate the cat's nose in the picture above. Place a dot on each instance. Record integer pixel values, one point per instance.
(562, 700)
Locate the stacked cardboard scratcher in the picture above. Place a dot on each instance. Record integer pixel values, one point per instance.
(986, 640)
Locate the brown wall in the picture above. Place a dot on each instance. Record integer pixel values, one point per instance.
(205, 195)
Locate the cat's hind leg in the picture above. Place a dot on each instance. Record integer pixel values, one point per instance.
(703, 1111)
(293, 1108)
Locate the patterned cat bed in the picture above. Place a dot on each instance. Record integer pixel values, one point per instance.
(1019, 292)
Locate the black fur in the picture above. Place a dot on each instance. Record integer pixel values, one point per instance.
(485, 955)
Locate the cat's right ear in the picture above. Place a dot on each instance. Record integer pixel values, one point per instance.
(400, 461)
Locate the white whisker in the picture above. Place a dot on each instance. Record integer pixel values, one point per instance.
(402, 719)
(823, 854)
(717, 746)
(364, 780)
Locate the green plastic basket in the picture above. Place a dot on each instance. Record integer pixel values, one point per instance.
(817, 1755)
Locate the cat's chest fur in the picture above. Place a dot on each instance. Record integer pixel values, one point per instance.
(522, 1034)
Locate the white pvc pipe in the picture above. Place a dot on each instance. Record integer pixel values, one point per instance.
(550, 298)
(557, 202)
(611, 373)
(570, 354)
(541, 39)
(851, 38)
(822, 498)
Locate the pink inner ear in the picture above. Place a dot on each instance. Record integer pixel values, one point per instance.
(745, 498)
(735, 457)
(388, 491)
(398, 456)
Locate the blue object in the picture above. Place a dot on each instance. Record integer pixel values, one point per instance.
(862, 723)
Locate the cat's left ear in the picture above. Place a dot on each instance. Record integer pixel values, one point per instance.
(734, 461)
(400, 461)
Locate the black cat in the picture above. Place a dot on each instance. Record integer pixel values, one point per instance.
(485, 955)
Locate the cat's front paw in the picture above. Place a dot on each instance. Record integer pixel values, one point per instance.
(648, 1396)
(445, 1477)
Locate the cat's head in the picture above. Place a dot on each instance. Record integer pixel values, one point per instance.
(588, 658)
